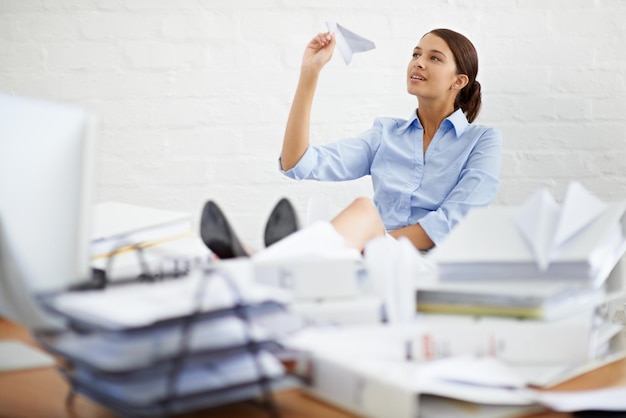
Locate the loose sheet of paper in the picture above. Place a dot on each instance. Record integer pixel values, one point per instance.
(142, 304)
(15, 355)
(609, 399)
(546, 225)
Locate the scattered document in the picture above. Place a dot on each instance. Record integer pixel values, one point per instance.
(546, 225)
(483, 371)
(348, 42)
(336, 312)
(609, 399)
(122, 352)
(143, 304)
(15, 355)
(503, 252)
(528, 298)
(394, 266)
(431, 406)
(171, 257)
(319, 241)
(547, 376)
(332, 278)
(554, 342)
(118, 225)
(213, 374)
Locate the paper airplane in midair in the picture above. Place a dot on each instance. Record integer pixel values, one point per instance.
(348, 42)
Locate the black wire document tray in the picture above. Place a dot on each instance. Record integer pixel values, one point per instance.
(179, 403)
(160, 348)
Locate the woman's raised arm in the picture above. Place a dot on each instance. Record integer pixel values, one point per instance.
(317, 53)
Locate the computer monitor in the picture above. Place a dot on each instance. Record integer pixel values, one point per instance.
(46, 181)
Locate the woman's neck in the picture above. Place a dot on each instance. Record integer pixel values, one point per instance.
(431, 116)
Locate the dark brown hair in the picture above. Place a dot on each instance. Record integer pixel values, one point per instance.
(466, 58)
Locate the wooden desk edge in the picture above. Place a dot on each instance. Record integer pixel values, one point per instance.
(42, 392)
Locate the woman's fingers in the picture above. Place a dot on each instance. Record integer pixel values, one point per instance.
(323, 39)
(319, 51)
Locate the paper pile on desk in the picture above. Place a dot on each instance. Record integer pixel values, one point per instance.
(538, 239)
(326, 279)
(364, 369)
(542, 268)
(173, 346)
(143, 304)
(498, 315)
(118, 226)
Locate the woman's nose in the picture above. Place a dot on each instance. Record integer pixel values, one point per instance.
(418, 63)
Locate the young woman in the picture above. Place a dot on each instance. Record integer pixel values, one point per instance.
(428, 170)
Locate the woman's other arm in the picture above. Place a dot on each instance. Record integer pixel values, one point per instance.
(415, 234)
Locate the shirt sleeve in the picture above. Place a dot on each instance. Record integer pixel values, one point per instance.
(345, 159)
(477, 186)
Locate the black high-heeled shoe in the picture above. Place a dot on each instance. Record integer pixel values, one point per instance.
(282, 221)
(217, 234)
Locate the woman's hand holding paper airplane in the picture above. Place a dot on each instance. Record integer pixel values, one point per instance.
(319, 51)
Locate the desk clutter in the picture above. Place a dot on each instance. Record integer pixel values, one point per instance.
(543, 285)
(514, 301)
(164, 328)
(507, 304)
(174, 345)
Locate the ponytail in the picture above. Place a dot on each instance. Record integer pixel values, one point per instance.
(469, 100)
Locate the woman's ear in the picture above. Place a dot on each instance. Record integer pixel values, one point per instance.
(461, 81)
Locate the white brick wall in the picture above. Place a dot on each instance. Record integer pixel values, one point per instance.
(193, 95)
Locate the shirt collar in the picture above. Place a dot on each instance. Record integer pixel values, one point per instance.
(457, 119)
(413, 119)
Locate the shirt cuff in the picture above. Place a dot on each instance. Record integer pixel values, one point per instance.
(435, 226)
(303, 167)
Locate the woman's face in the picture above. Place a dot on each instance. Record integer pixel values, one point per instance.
(432, 70)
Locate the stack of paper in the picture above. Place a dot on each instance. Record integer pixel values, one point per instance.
(119, 226)
(144, 304)
(507, 302)
(173, 346)
(542, 278)
(366, 370)
(129, 241)
(573, 340)
(532, 298)
(328, 282)
(171, 257)
(538, 240)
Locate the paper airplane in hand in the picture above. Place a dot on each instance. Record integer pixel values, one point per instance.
(546, 225)
(348, 42)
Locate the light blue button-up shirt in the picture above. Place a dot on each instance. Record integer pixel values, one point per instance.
(458, 172)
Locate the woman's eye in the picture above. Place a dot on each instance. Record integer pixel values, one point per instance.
(435, 58)
(415, 55)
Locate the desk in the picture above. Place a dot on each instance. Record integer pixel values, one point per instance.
(41, 393)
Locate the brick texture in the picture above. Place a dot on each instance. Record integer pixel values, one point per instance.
(193, 95)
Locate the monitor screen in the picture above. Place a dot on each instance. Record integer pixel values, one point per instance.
(46, 179)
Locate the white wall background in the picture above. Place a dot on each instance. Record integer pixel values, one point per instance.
(193, 95)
